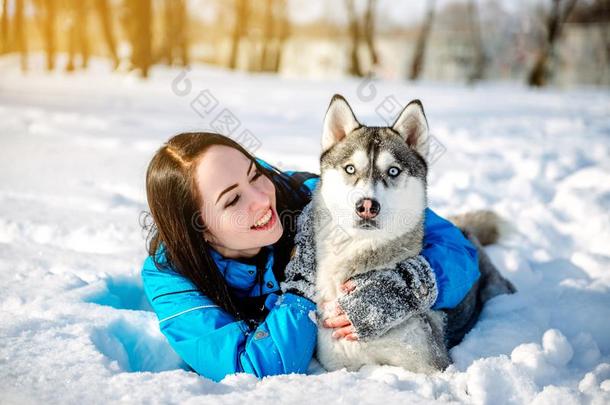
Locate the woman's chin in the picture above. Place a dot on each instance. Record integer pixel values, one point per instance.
(272, 229)
(270, 236)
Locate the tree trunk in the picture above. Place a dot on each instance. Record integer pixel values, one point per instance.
(70, 66)
(169, 26)
(4, 29)
(176, 39)
(241, 11)
(267, 48)
(103, 13)
(369, 31)
(145, 36)
(82, 14)
(354, 30)
(77, 35)
(480, 59)
(419, 54)
(176, 32)
(283, 31)
(540, 73)
(20, 38)
(139, 19)
(182, 42)
(49, 32)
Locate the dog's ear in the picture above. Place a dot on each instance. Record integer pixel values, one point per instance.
(338, 122)
(412, 125)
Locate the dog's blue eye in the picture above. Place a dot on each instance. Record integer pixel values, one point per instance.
(393, 171)
(350, 169)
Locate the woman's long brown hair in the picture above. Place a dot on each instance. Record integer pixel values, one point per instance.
(176, 227)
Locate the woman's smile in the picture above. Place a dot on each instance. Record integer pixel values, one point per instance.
(238, 203)
(267, 221)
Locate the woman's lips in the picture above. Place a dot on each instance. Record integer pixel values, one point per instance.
(269, 223)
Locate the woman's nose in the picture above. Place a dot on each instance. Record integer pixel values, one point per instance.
(259, 199)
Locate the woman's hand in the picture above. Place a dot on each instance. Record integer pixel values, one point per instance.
(376, 301)
(338, 319)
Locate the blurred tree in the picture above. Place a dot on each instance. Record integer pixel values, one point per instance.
(283, 31)
(369, 31)
(560, 11)
(78, 38)
(417, 63)
(104, 14)
(138, 21)
(239, 30)
(354, 68)
(268, 27)
(4, 28)
(596, 14)
(480, 57)
(175, 46)
(20, 38)
(46, 10)
(276, 27)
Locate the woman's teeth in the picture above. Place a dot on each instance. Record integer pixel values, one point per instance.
(264, 220)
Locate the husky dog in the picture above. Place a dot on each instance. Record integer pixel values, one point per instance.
(372, 193)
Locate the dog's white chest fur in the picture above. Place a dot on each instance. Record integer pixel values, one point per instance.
(373, 185)
(407, 345)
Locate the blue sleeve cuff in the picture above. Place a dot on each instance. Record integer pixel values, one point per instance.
(271, 300)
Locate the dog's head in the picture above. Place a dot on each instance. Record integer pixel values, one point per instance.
(373, 179)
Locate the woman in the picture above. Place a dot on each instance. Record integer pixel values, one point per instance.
(224, 228)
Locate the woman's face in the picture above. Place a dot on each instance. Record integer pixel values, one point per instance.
(238, 203)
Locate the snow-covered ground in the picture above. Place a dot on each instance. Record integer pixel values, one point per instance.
(75, 325)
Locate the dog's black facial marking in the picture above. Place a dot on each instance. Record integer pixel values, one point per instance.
(367, 224)
(378, 139)
(373, 140)
(341, 151)
(371, 156)
(408, 158)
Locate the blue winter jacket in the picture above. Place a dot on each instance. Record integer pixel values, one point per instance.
(214, 344)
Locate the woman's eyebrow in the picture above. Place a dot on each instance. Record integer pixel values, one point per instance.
(226, 190)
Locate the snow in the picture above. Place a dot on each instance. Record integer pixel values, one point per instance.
(74, 323)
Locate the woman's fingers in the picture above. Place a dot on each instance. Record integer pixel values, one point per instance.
(343, 332)
(348, 286)
(337, 321)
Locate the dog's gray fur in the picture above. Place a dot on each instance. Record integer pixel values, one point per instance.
(419, 343)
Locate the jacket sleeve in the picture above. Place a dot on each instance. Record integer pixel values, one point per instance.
(452, 258)
(214, 344)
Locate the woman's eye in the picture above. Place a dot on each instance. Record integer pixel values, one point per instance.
(350, 169)
(256, 175)
(393, 171)
(233, 201)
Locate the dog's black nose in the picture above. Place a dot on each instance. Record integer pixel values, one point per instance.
(367, 208)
